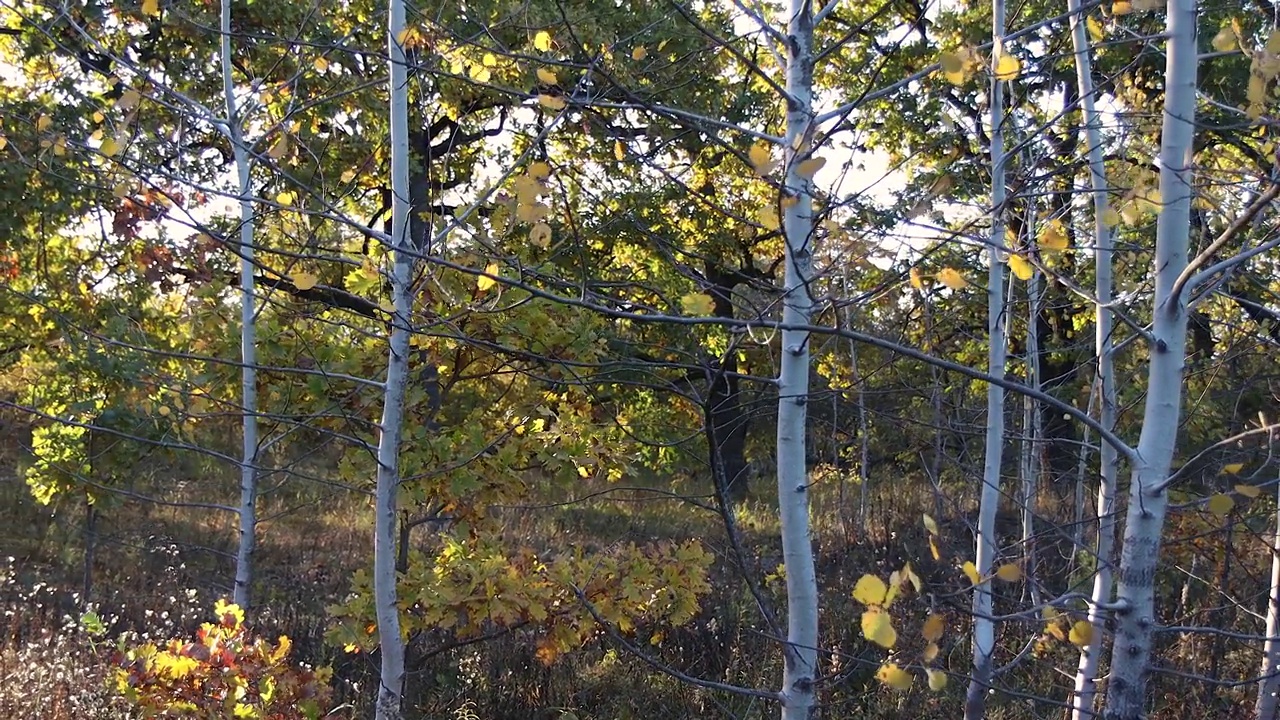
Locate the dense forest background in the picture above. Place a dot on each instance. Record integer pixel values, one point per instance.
(574, 359)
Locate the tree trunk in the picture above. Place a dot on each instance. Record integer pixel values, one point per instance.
(801, 657)
(984, 632)
(1269, 682)
(1148, 497)
(391, 644)
(248, 333)
(1085, 687)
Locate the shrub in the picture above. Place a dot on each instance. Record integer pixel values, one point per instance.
(224, 673)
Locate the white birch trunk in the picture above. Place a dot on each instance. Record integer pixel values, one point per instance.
(391, 642)
(800, 658)
(248, 332)
(1085, 689)
(984, 631)
(1148, 499)
(1269, 682)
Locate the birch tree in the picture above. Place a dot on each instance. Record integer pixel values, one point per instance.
(1269, 675)
(1087, 672)
(1148, 494)
(984, 631)
(390, 642)
(234, 130)
(800, 654)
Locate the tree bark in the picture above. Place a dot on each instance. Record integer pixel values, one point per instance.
(984, 632)
(248, 332)
(391, 643)
(1269, 682)
(801, 657)
(1085, 686)
(1148, 497)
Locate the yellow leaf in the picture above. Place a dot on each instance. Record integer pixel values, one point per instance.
(584, 471)
(542, 41)
(1232, 468)
(954, 67)
(930, 524)
(285, 198)
(489, 60)
(1121, 7)
(1009, 572)
(808, 168)
(877, 627)
(933, 627)
(1110, 217)
(937, 679)
(870, 590)
(151, 7)
(952, 279)
(480, 73)
(1081, 633)
(930, 652)
(910, 576)
(551, 102)
(547, 77)
(129, 100)
(933, 549)
(320, 64)
(109, 147)
(639, 53)
(1221, 504)
(279, 147)
(1225, 40)
(1249, 491)
(1053, 236)
(539, 170)
(483, 282)
(768, 218)
(1053, 629)
(540, 235)
(164, 410)
(971, 572)
(4, 142)
(917, 282)
(60, 146)
(699, 304)
(895, 588)
(950, 62)
(1020, 267)
(1273, 42)
(761, 156)
(1007, 67)
(895, 677)
(43, 123)
(305, 280)
(619, 151)
(1095, 29)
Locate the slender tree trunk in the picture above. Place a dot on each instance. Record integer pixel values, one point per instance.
(248, 332)
(984, 631)
(1269, 684)
(1085, 688)
(1148, 497)
(801, 657)
(1032, 429)
(391, 644)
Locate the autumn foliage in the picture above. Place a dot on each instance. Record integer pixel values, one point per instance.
(225, 672)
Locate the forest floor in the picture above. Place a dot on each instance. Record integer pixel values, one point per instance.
(157, 571)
